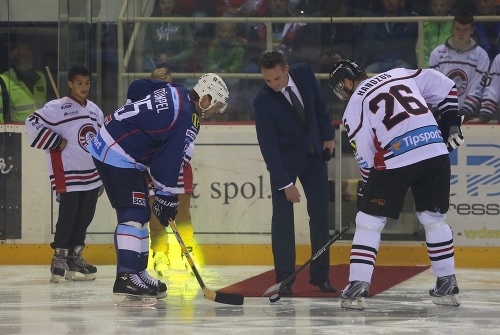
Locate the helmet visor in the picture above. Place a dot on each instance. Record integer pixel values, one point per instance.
(340, 92)
(219, 107)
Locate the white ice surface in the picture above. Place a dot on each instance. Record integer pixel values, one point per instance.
(30, 304)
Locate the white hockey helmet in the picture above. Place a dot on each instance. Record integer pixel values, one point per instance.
(211, 83)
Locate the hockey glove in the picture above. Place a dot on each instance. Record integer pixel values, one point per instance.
(455, 139)
(165, 208)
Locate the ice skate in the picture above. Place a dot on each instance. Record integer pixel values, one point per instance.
(161, 263)
(79, 269)
(59, 265)
(186, 263)
(353, 296)
(155, 284)
(130, 291)
(445, 292)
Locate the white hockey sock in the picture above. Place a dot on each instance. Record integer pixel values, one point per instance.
(365, 246)
(439, 240)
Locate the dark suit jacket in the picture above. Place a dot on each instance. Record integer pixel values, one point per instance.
(283, 137)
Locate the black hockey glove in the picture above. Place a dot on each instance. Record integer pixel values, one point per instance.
(455, 139)
(165, 208)
(449, 125)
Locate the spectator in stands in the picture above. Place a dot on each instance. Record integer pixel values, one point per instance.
(226, 54)
(23, 89)
(463, 61)
(388, 45)
(436, 33)
(167, 44)
(488, 32)
(337, 40)
(240, 7)
(286, 37)
(491, 96)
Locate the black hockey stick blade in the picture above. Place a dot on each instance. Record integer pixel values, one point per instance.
(276, 287)
(223, 298)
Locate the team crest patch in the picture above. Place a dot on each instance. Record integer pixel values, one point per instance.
(461, 80)
(139, 198)
(85, 135)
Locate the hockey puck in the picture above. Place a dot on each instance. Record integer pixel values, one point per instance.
(274, 298)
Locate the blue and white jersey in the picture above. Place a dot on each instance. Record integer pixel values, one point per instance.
(154, 132)
(388, 122)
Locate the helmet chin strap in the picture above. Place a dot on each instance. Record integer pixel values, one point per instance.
(202, 109)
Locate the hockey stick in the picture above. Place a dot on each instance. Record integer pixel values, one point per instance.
(276, 287)
(52, 82)
(223, 298)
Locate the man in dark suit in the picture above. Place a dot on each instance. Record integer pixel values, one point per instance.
(294, 128)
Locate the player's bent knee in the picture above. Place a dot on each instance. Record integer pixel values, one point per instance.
(431, 221)
(370, 222)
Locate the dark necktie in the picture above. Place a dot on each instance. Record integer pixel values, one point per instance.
(300, 110)
(296, 103)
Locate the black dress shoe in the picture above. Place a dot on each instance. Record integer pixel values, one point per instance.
(324, 285)
(285, 290)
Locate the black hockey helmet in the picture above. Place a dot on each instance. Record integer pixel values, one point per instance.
(345, 68)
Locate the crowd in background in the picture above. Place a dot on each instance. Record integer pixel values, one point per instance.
(236, 47)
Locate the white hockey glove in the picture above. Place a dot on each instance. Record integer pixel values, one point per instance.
(455, 139)
(165, 208)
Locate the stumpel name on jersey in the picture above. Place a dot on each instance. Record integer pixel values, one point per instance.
(161, 101)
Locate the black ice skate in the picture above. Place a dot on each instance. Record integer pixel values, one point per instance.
(59, 265)
(158, 286)
(445, 292)
(79, 269)
(353, 296)
(131, 291)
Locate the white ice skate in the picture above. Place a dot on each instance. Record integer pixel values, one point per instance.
(130, 291)
(160, 263)
(79, 269)
(445, 292)
(186, 263)
(353, 296)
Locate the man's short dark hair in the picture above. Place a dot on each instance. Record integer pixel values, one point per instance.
(270, 59)
(77, 70)
(464, 18)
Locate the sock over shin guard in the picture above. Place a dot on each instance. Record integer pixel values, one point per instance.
(365, 246)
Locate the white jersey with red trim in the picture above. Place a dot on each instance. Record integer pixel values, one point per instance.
(388, 122)
(71, 169)
(466, 69)
(491, 96)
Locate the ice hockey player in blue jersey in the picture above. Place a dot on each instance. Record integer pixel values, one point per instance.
(152, 133)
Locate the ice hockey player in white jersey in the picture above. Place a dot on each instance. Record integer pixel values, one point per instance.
(465, 62)
(64, 127)
(491, 95)
(153, 133)
(399, 145)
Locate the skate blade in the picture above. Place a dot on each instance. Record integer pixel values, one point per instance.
(127, 300)
(161, 295)
(446, 300)
(78, 276)
(357, 304)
